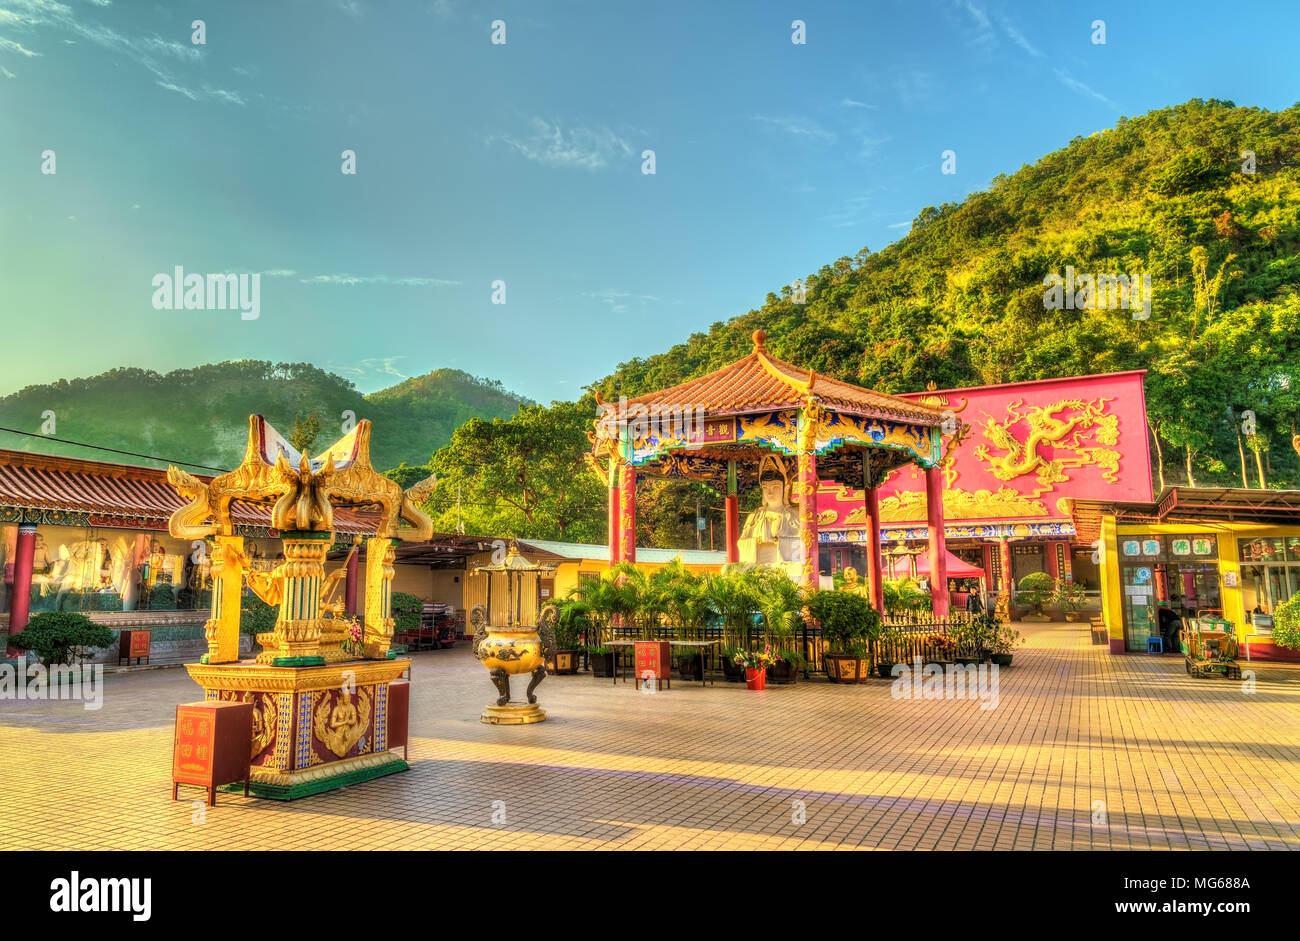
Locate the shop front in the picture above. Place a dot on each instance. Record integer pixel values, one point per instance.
(1231, 554)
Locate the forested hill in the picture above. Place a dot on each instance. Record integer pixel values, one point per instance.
(201, 414)
(960, 299)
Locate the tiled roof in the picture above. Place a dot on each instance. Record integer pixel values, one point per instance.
(761, 382)
(577, 550)
(72, 485)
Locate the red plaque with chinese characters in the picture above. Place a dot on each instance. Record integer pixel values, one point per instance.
(652, 660)
(212, 745)
(133, 645)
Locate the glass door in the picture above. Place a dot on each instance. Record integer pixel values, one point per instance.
(1139, 589)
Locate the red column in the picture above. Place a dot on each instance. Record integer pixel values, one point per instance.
(614, 510)
(875, 573)
(627, 515)
(733, 528)
(938, 544)
(350, 584)
(806, 493)
(24, 552)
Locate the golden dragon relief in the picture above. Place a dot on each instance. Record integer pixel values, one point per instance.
(1085, 436)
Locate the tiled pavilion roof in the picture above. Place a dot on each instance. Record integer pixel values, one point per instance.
(760, 383)
(98, 488)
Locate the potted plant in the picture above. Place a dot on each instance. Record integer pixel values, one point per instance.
(944, 648)
(1070, 598)
(570, 622)
(846, 621)
(888, 650)
(755, 664)
(780, 605)
(1036, 589)
(57, 637)
(1004, 640)
(971, 638)
(604, 599)
(690, 663)
(730, 598)
(731, 670)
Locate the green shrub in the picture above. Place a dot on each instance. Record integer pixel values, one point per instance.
(846, 620)
(1286, 624)
(256, 616)
(406, 612)
(54, 636)
(162, 597)
(1036, 589)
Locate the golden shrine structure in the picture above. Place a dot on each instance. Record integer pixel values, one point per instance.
(761, 422)
(320, 699)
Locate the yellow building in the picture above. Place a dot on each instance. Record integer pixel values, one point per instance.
(1234, 553)
(442, 570)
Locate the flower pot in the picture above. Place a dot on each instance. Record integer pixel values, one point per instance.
(845, 668)
(564, 663)
(756, 679)
(966, 661)
(733, 672)
(1002, 659)
(602, 664)
(784, 672)
(692, 667)
(885, 669)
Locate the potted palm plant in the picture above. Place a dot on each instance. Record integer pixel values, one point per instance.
(604, 599)
(571, 622)
(730, 597)
(847, 621)
(780, 606)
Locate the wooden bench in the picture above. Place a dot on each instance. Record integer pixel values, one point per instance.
(1099, 633)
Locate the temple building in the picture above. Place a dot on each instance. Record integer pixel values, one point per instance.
(1023, 451)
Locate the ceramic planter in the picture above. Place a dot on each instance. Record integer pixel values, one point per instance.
(845, 668)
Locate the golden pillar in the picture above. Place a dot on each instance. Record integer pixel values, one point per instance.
(297, 631)
(222, 628)
(378, 634)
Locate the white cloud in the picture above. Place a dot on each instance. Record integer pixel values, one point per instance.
(1019, 39)
(854, 103)
(6, 73)
(350, 280)
(617, 299)
(443, 9)
(353, 8)
(587, 148)
(797, 126)
(153, 53)
(17, 47)
(1075, 85)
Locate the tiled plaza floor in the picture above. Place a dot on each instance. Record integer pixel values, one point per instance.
(1180, 763)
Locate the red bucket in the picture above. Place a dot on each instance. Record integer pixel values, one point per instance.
(756, 679)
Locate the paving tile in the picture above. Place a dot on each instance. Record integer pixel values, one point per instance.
(1179, 763)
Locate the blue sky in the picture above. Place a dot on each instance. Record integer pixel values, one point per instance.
(522, 162)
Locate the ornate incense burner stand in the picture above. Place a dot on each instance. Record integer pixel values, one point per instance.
(320, 713)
